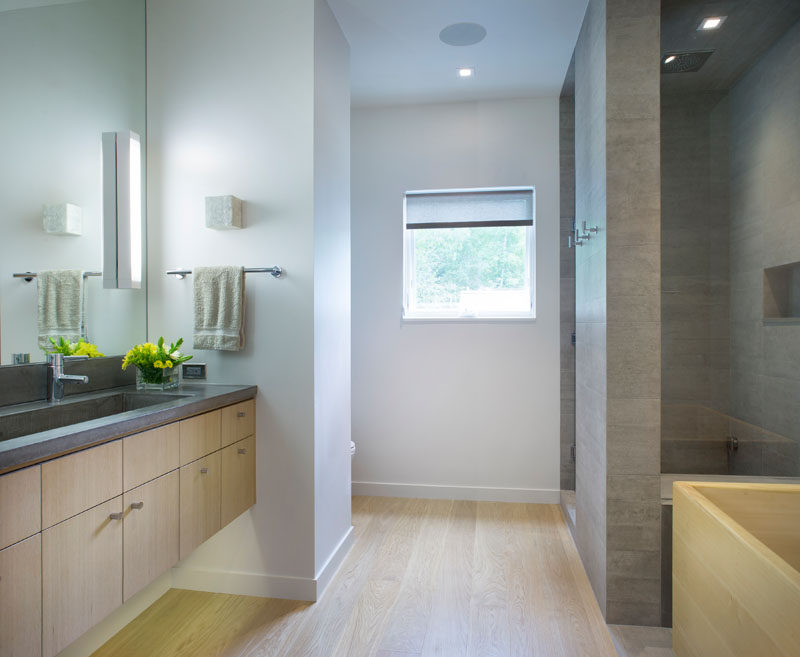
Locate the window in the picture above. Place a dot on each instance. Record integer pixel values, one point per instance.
(468, 253)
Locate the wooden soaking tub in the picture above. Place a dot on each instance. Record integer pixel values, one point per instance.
(736, 570)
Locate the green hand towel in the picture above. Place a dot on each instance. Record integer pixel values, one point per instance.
(218, 308)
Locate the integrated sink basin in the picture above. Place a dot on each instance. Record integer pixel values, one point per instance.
(25, 419)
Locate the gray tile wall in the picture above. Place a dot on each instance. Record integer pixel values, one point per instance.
(695, 282)
(633, 202)
(765, 232)
(567, 259)
(590, 297)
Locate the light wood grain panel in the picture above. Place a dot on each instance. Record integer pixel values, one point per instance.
(199, 436)
(238, 478)
(150, 454)
(238, 421)
(200, 502)
(732, 594)
(71, 484)
(21, 599)
(81, 574)
(386, 585)
(151, 532)
(20, 505)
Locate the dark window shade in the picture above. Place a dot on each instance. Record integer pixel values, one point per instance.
(469, 208)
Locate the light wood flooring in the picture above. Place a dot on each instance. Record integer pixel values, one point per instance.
(424, 578)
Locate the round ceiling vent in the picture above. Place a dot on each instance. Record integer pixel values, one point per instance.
(462, 34)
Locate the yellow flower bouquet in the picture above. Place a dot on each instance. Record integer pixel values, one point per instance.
(156, 365)
(79, 348)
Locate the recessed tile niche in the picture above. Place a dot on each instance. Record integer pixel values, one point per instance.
(782, 292)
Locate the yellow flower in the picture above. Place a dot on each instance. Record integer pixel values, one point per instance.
(168, 364)
(158, 365)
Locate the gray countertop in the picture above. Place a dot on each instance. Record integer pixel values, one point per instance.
(188, 400)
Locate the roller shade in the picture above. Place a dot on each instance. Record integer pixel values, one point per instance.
(469, 208)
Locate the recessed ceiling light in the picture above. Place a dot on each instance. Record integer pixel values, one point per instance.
(712, 22)
(462, 34)
(466, 72)
(670, 58)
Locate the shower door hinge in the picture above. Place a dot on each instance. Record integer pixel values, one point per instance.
(572, 451)
(573, 338)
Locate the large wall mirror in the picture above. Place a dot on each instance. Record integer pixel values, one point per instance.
(71, 71)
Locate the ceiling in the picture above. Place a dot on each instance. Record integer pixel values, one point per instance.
(397, 57)
(751, 27)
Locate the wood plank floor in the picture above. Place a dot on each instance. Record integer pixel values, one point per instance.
(424, 578)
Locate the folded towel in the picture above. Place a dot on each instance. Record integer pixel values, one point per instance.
(218, 308)
(60, 305)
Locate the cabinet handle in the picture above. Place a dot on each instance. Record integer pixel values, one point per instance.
(137, 505)
(203, 470)
(241, 414)
(242, 450)
(115, 516)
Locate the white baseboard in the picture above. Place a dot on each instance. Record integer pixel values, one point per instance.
(470, 493)
(326, 573)
(239, 583)
(260, 584)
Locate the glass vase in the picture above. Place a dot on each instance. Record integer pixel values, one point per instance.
(155, 379)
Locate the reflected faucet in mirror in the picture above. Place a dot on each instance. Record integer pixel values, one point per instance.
(56, 377)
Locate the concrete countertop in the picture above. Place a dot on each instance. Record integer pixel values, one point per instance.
(189, 399)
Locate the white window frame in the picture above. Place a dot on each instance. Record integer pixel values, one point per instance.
(411, 314)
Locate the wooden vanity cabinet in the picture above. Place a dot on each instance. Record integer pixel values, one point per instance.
(81, 574)
(238, 478)
(200, 435)
(238, 422)
(20, 505)
(150, 532)
(200, 502)
(150, 454)
(21, 599)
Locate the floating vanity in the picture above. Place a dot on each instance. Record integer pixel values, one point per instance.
(92, 512)
(736, 570)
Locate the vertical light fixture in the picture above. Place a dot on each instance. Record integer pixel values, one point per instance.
(122, 210)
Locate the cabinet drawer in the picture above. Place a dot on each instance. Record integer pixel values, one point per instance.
(20, 505)
(200, 499)
(77, 482)
(81, 574)
(150, 536)
(200, 435)
(150, 454)
(238, 479)
(238, 421)
(21, 599)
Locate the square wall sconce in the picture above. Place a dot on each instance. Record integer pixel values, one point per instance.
(223, 212)
(62, 219)
(122, 210)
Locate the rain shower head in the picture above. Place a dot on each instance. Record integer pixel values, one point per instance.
(684, 62)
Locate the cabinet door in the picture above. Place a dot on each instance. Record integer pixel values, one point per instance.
(150, 454)
(77, 482)
(21, 599)
(200, 435)
(200, 498)
(238, 478)
(81, 574)
(150, 543)
(238, 422)
(20, 505)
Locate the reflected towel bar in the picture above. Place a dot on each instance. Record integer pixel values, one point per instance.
(29, 275)
(276, 271)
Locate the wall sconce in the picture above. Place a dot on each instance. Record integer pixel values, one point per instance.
(122, 210)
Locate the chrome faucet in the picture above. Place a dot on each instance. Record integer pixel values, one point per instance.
(56, 376)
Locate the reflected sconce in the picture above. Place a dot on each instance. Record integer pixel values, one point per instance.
(122, 210)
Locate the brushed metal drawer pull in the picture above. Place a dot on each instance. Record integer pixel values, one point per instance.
(203, 470)
(242, 450)
(241, 414)
(137, 505)
(115, 516)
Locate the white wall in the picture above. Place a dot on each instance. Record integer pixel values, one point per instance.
(331, 286)
(452, 409)
(69, 73)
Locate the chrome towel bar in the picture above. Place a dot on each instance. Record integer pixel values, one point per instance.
(30, 275)
(276, 271)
